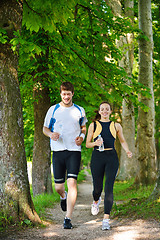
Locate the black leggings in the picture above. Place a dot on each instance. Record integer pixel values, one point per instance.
(104, 163)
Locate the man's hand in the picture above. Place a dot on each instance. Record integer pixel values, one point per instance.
(78, 141)
(54, 136)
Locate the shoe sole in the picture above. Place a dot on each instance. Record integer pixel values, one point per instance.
(68, 228)
(103, 229)
(94, 214)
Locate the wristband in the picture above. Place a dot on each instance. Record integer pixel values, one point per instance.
(82, 135)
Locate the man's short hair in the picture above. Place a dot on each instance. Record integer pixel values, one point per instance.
(67, 86)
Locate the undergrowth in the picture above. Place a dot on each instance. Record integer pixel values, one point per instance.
(132, 202)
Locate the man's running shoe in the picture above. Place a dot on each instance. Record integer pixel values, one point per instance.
(63, 203)
(67, 223)
(105, 224)
(95, 207)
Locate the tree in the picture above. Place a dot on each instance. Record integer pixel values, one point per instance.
(15, 198)
(146, 119)
(156, 64)
(127, 167)
(40, 21)
(41, 164)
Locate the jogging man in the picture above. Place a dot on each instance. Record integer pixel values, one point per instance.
(65, 125)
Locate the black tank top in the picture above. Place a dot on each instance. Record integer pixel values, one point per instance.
(106, 134)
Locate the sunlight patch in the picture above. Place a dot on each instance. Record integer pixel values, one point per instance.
(127, 235)
(91, 222)
(50, 234)
(82, 206)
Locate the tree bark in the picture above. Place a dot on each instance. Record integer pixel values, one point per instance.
(128, 167)
(146, 120)
(15, 198)
(41, 166)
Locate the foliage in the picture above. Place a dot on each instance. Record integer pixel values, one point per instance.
(78, 50)
(52, 51)
(3, 36)
(75, 41)
(86, 155)
(45, 14)
(5, 221)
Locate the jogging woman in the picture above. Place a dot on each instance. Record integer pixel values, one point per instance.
(104, 162)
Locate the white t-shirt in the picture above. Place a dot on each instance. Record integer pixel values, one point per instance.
(67, 124)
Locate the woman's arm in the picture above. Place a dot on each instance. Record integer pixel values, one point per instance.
(89, 142)
(122, 139)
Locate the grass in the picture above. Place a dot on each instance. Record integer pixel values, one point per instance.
(134, 201)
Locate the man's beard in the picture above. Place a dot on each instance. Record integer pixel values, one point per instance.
(68, 103)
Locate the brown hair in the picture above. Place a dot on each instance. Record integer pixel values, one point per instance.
(67, 86)
(98, 116)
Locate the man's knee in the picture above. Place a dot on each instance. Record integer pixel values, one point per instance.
(71, 183)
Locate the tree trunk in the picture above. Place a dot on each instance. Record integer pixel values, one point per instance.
(41, 166)
(15, 198)
(127, 166)
(156, 192)
(146, 120)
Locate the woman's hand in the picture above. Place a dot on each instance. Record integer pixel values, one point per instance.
(98, 142)
(129, 154)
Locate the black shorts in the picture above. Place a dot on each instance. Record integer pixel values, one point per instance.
(66, 161)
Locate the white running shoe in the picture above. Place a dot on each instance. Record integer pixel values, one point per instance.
(95, 207)
(105, 224)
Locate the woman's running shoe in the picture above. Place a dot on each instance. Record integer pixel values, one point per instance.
(95, 207)
(105, 224)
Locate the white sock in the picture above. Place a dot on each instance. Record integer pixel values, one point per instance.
(64, 197)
